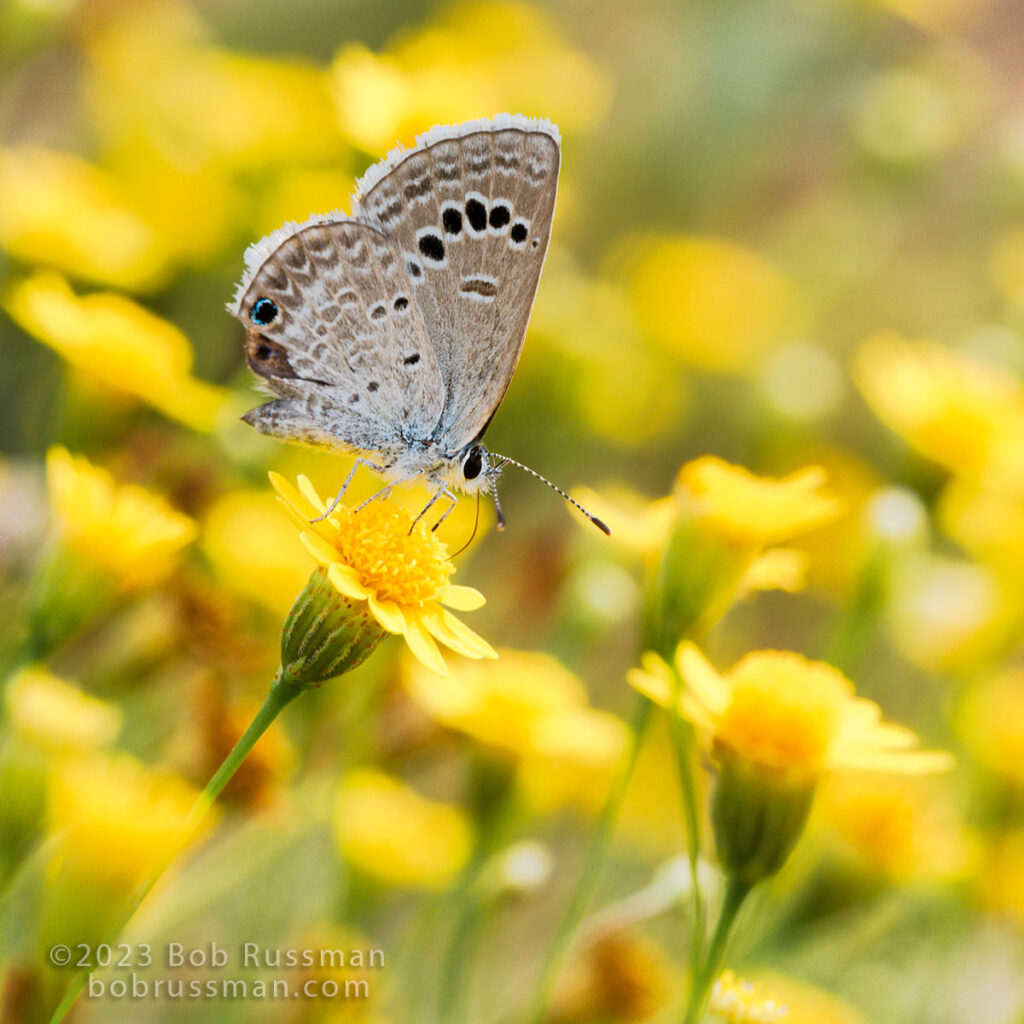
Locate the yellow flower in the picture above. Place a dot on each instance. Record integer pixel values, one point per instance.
(621, 976)
(806, 1004)
(113, 340)
(116, 815)
(775, 724)
(784, 714)
(56, 716)
(754, 511)
(902, 829)
(729, 304)
(113, 821)
(60, 211)
(153, 81)
(991, 723)
(127, 531)
(952, 408)
(470, 63)
(253, 549)
(401, 571)
(391, 832)
(500, 704)
(737, 1001)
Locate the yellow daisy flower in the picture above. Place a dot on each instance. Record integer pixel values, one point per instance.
(776, 723)
(121, 345)
(735, 1000)
(399, 569)
(388, 830)
(785, 714)
(755, 511)
(123, 529)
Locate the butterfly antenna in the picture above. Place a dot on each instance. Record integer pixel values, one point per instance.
(476, 524)
(504, 460)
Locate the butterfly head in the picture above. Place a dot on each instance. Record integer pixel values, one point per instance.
(475, 472)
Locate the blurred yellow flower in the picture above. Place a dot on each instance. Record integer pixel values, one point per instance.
(113, 340)
(776, 569)
(990, 720)
(639, 525)
(58, 210)
(532, 707)
(738, 1001)
(904, 829)
(754, 511)
(951, 407)
(784, 715)
(392, 833)
(123, 529)
(116, 818)
(714, 303)
(500, 703)
(399, 569)
(253, 549)
(1000, 875)
(476, 60)
(806, 1004)
(154, 81)
(621, 976)
(56, 716)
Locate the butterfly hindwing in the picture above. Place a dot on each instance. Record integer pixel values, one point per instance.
(470, 210)
(341, 342)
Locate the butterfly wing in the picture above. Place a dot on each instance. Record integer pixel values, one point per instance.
(343, 345)
(470, 208)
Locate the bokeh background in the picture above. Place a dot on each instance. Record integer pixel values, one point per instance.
(788, 234)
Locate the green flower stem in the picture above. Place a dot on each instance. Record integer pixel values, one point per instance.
(490, 785)
(282, 692)
(681, 735)
(591, 869)
(736, 891)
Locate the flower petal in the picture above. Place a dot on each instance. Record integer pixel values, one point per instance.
(653, 685)
(462, 599)
(309, 493)
(298, 507)
(451, 632)
(321, 550)
(389, 615)
(346, 581)
(704, 683)
(421, 643)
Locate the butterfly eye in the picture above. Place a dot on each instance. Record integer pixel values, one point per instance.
(263, 312)
(474, 463)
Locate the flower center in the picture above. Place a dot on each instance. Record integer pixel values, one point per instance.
(784, 712)
(409, 568)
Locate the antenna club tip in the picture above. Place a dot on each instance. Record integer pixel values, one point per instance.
(602, 526)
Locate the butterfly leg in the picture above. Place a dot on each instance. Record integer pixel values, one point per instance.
(385, 492)
(344, 487)
(442, 492)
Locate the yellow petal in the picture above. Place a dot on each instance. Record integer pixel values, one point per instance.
(309, 493)
(346, 581)
(655, 687)
(389, 615)
(421, 643)
(462, 599)
(296, 505)
(706, 685)
(453, 633)
(324, 553)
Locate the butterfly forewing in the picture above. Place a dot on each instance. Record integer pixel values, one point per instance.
(344, 344)
(470, 210)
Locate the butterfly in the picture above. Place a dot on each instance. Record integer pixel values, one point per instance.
(394, 332)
